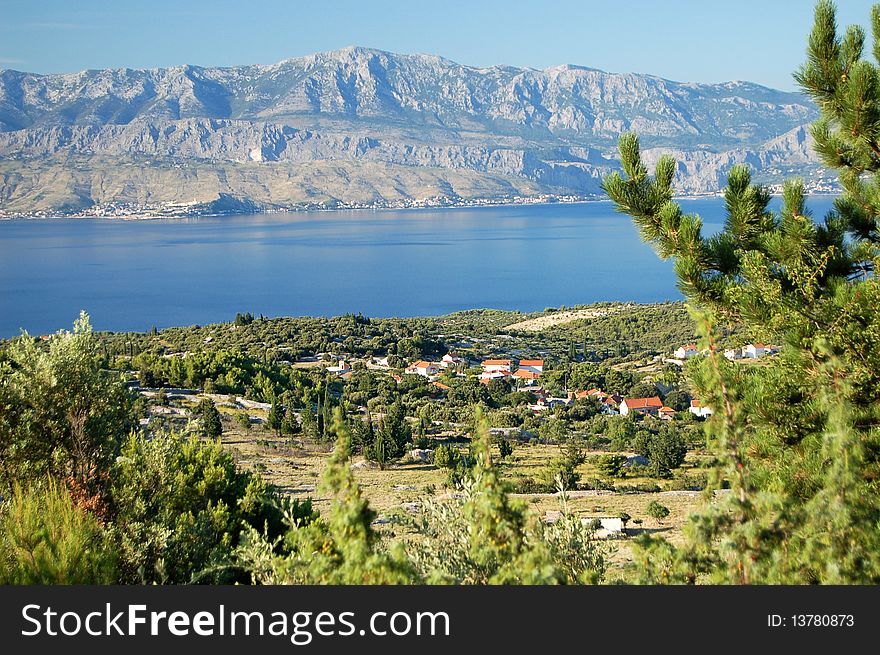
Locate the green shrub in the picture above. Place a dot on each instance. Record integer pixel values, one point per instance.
(46, 539)
(446, 456)
(657, 511)
(181, 505)
(210, 425)
(611, 465)
(61, 412)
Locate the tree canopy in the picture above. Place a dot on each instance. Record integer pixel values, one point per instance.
(796, 438)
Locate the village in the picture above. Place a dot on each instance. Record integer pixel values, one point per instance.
(525, 376)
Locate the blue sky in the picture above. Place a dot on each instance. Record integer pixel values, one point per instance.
(689, 40)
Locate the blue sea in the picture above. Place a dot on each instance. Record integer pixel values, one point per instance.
(135, 274)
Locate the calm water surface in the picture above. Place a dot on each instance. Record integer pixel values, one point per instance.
(131, 275)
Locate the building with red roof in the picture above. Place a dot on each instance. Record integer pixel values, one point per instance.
(650, 405)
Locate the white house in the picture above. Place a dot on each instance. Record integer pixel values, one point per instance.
(425, 369)
(733, 353)
(533, 365)
(496, 366)
(341, 367)
(686, 351)
(449, 361)
(666, 413)
(650, 405)
(598, 394)
(754, 350)
(699, 410)
(528, 376)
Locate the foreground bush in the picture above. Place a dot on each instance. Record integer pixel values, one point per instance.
(46, 539)
(180, 505)
(61, 412)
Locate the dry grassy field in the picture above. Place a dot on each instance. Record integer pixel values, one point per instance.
(295, 468)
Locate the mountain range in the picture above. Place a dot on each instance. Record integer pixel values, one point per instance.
(362, 127)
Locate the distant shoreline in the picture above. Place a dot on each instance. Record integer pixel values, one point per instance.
(170, 213)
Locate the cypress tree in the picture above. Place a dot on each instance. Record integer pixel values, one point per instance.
(309, 423)
(275, 417)
(325, 413)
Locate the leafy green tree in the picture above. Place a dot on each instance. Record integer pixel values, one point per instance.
(362, 434)
(611, 465)
(666, 451)
(61, 412)
(553, 431)
(275, 417)
(446, 457)
(244, 421)
(180, 506)
(289, 424)
(458, 466)
(210, 424)
(562, 471)
(797, 437)
(394, 430)
(309, 424)
(505, 449)
(146, 378)
(677, 400)
(326, 413)
(384, 448)
(664, 447)
(643, 390)
(244, 319)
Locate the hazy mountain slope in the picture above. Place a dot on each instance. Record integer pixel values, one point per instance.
(554, 130)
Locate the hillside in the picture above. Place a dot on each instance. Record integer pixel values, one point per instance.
(365, 127)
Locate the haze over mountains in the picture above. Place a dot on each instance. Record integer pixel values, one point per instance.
(360, 127)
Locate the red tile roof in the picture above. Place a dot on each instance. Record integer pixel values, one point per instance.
(422, 364)
(496, 362)
(528, 375)
(643, 403)
(531, 362)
